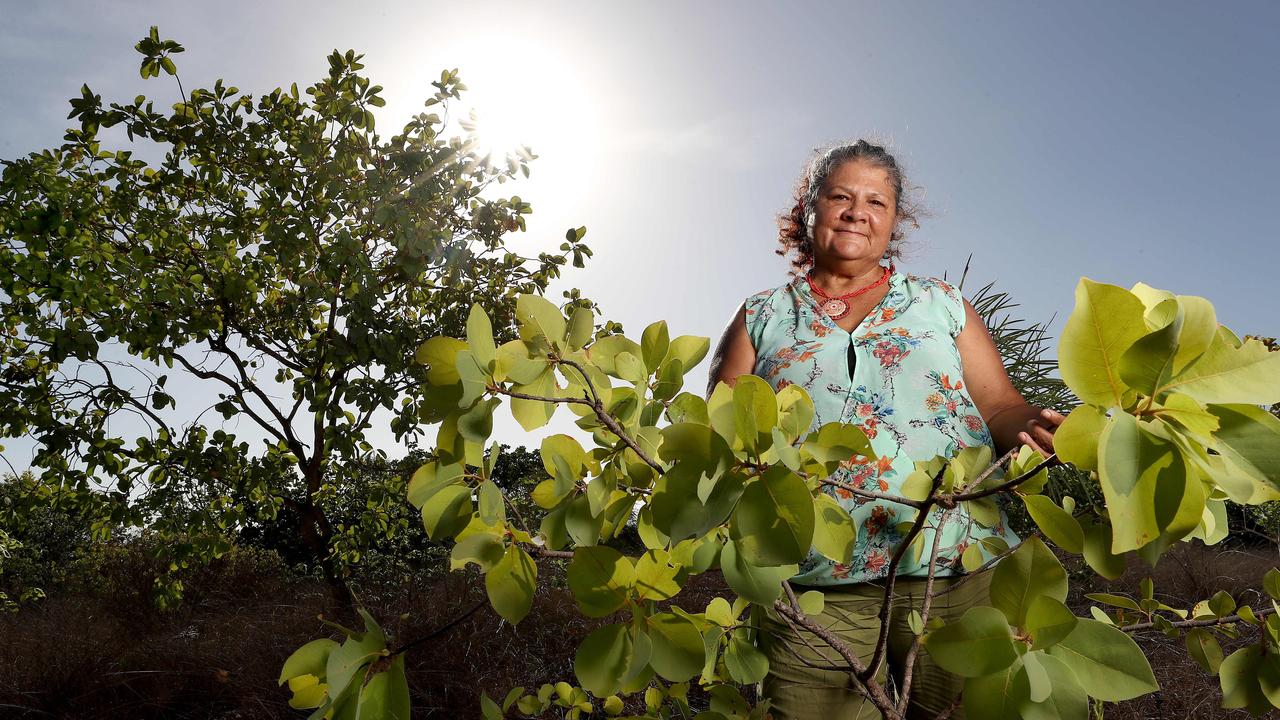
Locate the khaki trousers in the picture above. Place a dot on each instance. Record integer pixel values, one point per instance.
(852, 613)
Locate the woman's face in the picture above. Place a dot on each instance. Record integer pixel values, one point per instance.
(856, 214)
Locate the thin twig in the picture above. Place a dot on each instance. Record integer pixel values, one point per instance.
(1209, 622)
(909, 663)
(1003, 487)
(871, 495)
(882, 643)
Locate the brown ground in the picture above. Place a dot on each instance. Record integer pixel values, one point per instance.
(106, 653)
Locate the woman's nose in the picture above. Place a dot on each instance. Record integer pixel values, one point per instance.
(853, 212)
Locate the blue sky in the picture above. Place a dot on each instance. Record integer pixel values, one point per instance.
(1121, 141)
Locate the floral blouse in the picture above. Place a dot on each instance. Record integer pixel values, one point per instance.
(906, 393)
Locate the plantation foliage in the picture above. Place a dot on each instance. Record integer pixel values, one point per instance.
(1171, 427)
(269, 258)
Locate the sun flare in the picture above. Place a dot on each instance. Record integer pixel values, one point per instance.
(524, 94)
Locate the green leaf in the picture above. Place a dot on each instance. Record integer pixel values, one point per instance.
(670, 380)
(834, 532)
(1249, 374)
(761, 585)
(1097, 551)
(745, 663)
(1148, 363)
(677, 510)
(1250, 437)
(720, 410)
(654, 342)
(688, 408)
(629, 367)
(356, 652)
(689, 350)
(1063, 697)
(581, 525)
(480, 338)
(1203, 647)
(835, 442)
(1271, 583)
(996, 696)
(490, 504)
(448, 511)
(581, 327)
(533, 414)
(1029, 572)
(482, 548)
(309, 659)
(510, 584)
(604, 352)
(476, 424)
(1269, 680)
(600, 578)
(430, 478)
(1038, 684)
(539, 317)
(678, 653)
(917, 486)
(1187, 413)
(979, 643)
(1238, 676)
(694, 443)
(1058, 524)
(515, 365)
(1106, 661)
(755, 412)
(1151, 492)
(1199, 328)
(440, 355)
(475, 379)
(1119, 601)
(1076, 439)
(656, 578)
(489, 709)
(971, 559)
(811, 602)
(1048, 622)
(773, 523)
(603, 658)
(1105, 322)
(795, 412)
(385, 695)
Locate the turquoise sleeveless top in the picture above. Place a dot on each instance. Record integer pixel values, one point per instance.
(906, 393)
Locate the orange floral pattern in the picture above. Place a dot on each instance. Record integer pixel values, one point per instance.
(905, 390)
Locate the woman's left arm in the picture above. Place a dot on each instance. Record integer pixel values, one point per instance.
(1010, 418)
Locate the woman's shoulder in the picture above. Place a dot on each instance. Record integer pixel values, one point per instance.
(939, 296)
(770, 296)
(925, 283)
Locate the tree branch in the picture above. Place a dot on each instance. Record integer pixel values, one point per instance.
(875, 691)
(908, 664)
(1208, 622)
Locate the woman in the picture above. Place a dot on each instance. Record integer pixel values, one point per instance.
(909, 361)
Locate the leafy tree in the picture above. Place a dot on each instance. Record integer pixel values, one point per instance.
(1170, 427)
(277, 252)
(46, 528)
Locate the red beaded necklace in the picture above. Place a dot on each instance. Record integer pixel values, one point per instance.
(838, 307)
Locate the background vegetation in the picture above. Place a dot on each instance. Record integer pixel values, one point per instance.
(170, 575)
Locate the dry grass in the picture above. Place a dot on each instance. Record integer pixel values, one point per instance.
(106, 652)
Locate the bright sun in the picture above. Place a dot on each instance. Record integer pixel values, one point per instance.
(524, 94)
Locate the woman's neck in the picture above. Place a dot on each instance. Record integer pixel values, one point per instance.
(845, 278)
